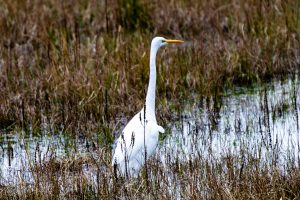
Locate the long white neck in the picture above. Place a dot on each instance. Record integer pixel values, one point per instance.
(150, 98)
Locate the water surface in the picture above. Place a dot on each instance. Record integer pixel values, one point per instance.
(260, 122)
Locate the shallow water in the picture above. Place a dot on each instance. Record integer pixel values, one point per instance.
(262, 122)
(18, 154)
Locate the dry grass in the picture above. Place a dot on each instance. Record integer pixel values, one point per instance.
(80, 63)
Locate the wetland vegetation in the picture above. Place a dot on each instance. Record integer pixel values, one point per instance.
(73, 72)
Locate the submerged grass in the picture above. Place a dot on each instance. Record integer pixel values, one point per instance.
(81, 66)
(230, 177)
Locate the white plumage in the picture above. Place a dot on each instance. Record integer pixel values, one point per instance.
(142, 131)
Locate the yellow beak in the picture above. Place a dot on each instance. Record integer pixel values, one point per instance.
(174, 41)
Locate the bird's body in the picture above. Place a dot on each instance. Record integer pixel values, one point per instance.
(130, 149)
(139, 138)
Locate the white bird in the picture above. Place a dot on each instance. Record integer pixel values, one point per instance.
(139, 138)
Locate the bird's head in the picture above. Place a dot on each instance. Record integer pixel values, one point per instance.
(158, 42)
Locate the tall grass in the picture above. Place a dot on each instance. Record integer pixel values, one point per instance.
(80, 63)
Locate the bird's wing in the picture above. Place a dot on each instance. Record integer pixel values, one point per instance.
(131, 140)
(160, 129)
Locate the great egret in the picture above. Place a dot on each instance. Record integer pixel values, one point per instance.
(140, 136)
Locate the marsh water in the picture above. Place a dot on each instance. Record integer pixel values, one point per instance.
(261, 122)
